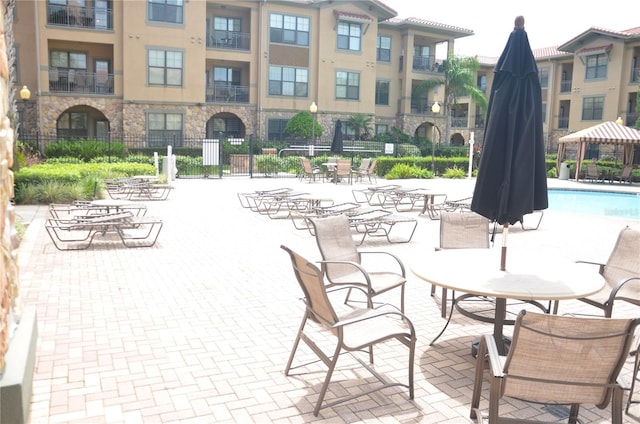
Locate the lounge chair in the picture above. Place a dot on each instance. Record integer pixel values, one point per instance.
(381, 222)
(555, 360)
(345, 267)
(354, 330)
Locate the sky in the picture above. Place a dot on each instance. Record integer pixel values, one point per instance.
(548, 23)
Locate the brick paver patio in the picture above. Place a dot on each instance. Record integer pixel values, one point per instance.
(198, 328)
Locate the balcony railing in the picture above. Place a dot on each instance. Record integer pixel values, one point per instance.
(565, 86)
(479, 121)
(635, 74)
(459, 122)
(563, 122)
(427, 64)
(631, 118)
(80, 17)
(77, 81)
(229, 40)
(227, 94)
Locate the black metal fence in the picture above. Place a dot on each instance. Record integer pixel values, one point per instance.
(199, 157)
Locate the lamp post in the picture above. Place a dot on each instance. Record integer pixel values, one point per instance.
(619, 121)
(313, 109)
(435, 109)
(25, 95)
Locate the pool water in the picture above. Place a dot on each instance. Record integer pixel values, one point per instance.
(601, 203)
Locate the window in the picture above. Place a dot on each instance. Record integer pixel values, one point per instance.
(289, 29)
(164, 129)
(482, 82)
(165, 68)
(288, 81)
(596, 66)
(69, 60)
(226, 30)
(382, 129)
(275, 129)
(383, 52)
(382, 92)
(165, 11)
(347, 85)
(592, 108)
(226, 76)
(543, 75)
(73, 125)
(349, 35)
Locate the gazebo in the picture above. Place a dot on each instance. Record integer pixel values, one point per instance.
(605, 133)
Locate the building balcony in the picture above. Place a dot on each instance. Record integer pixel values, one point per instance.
(229, 40)
(227, 94)
(565, 86)
(79, 82)
(459, 122)
(80, 17)
(563, 123)
(427, 64)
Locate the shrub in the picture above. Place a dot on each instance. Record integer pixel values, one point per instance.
(409, 150)
(84, 149)
(404, 171)
(552, 173)
(454, 172)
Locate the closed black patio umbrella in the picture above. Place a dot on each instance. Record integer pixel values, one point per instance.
(337, 144)
(512, 178)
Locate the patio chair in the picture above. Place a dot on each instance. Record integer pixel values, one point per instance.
(592, 173)
(355, 330)
(362, 170)
(461, 230)
(309, 171)
(344, 266)
(371, 172)
(555, 360)
(621, 273)
(624, 176)
(343, 171)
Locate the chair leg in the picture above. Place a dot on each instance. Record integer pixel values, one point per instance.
(307, 315)
(325, 385)
(634, 378)
(477, 386)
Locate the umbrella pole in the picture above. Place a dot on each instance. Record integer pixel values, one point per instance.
(503, 257)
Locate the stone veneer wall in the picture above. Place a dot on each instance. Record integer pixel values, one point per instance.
(8, 236)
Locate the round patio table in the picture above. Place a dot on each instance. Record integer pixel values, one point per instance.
(528, 277)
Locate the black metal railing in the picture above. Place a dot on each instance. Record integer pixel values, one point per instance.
(459, 122)
(78, 16)
(229, 40)
(563, 122)
(218, 93)
(427, 64)
(635, 74)
(565, 86)
(64, 80)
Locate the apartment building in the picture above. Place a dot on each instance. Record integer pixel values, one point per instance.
(167, 69)
(593, 77)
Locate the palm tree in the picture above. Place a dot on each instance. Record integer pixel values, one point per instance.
(459, 79)
(360, 124)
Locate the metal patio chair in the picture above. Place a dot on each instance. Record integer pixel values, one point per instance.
(355, 330)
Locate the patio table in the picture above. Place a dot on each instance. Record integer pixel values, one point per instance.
(527, 277)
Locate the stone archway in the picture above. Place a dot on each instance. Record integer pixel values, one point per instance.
(82, 121)
(229, 124)
(457, 139)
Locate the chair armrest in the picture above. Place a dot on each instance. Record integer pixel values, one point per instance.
(599, 264)
(621, 284)
(395, 257)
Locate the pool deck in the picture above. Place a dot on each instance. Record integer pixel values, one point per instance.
(198, 328)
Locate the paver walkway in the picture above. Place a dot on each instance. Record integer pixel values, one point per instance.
(198, 328)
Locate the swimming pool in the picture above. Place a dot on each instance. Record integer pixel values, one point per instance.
(601, 203)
